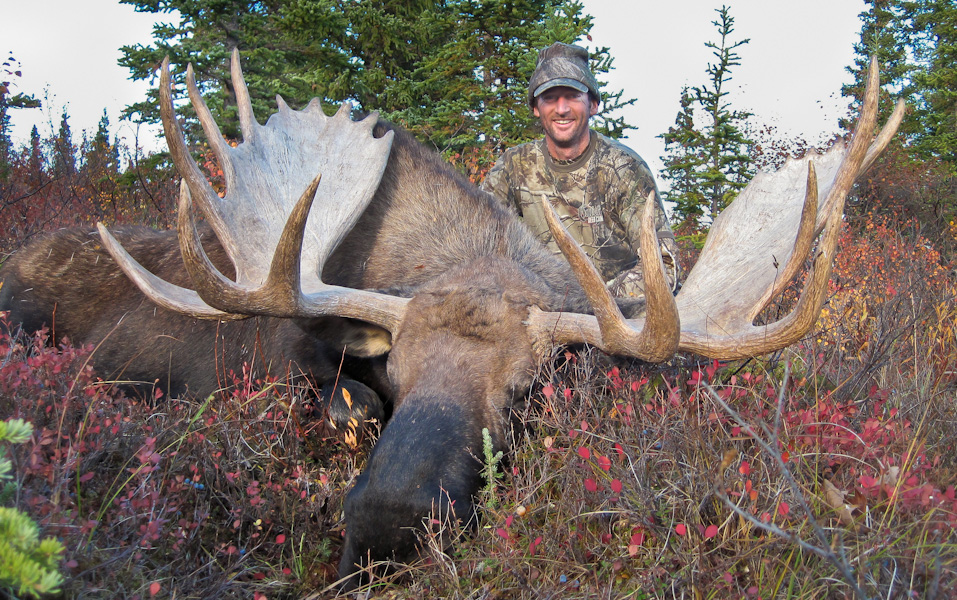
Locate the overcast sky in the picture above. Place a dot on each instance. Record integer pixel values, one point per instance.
(790, 74)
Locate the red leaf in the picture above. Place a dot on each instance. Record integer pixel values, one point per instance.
(680, 529)
(590, 485)
(616, 486)
(604, 462)
(584, 452)
(548, 391)
(280, 539)
(710, 532)
(154, 588)
(784, 508)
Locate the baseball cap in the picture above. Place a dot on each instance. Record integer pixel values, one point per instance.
(562, 65)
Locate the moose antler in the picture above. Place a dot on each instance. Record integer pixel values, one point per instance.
(738, 272)
(257, 227)
(278, 251)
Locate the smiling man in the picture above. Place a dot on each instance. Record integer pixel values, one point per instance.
(597, 186)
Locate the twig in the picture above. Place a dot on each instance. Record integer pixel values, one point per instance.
(770, 448)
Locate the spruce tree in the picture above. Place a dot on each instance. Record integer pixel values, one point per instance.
(915, 43)
(64, 152)
(710, 164)
(684, 159)
(935, 23)
(454, 72)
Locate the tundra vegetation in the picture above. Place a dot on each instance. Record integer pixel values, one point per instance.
(824, 470)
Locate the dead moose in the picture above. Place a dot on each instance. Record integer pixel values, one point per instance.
(337, 234)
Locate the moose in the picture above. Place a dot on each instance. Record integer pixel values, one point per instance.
(349, 236)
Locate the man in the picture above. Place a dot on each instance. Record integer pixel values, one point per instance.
(597, 186)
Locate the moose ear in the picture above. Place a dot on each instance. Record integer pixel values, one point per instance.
(354, 337)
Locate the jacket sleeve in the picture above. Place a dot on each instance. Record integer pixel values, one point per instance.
(629, 212)
(498, 183)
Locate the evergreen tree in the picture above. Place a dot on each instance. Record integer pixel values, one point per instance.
(100, 154)
(935, 23)
(100, 171)
(710, 164)
(684, 159)
(454, 72)
(10, 69)
(36, 161)
(28, 565)
(64, 152)
(915, 43)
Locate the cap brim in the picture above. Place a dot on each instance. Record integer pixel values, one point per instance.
(561, 82)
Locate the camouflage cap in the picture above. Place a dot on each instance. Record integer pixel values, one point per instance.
(562, 65)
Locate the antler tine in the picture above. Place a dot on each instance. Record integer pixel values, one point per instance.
(167, 295)
(886, 135)
(198, 185)
(213, 135)
(247, 120)
(860, 143)
(654, 339)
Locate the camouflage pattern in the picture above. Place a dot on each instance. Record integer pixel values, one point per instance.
(599, 197)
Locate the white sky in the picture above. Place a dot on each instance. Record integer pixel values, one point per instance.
(790, 74)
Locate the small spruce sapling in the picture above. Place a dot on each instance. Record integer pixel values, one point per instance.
(28, 565)
(491, 472)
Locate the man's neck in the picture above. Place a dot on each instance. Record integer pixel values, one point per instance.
(567, 154)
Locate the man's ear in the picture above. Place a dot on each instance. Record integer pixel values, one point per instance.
(594, 106)
(535, 109)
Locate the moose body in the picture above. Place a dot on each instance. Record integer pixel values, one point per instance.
(67, 282)
(392, 251)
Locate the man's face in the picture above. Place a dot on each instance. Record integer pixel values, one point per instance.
(564, 113)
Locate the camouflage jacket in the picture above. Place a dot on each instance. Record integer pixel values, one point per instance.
(599, 197)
